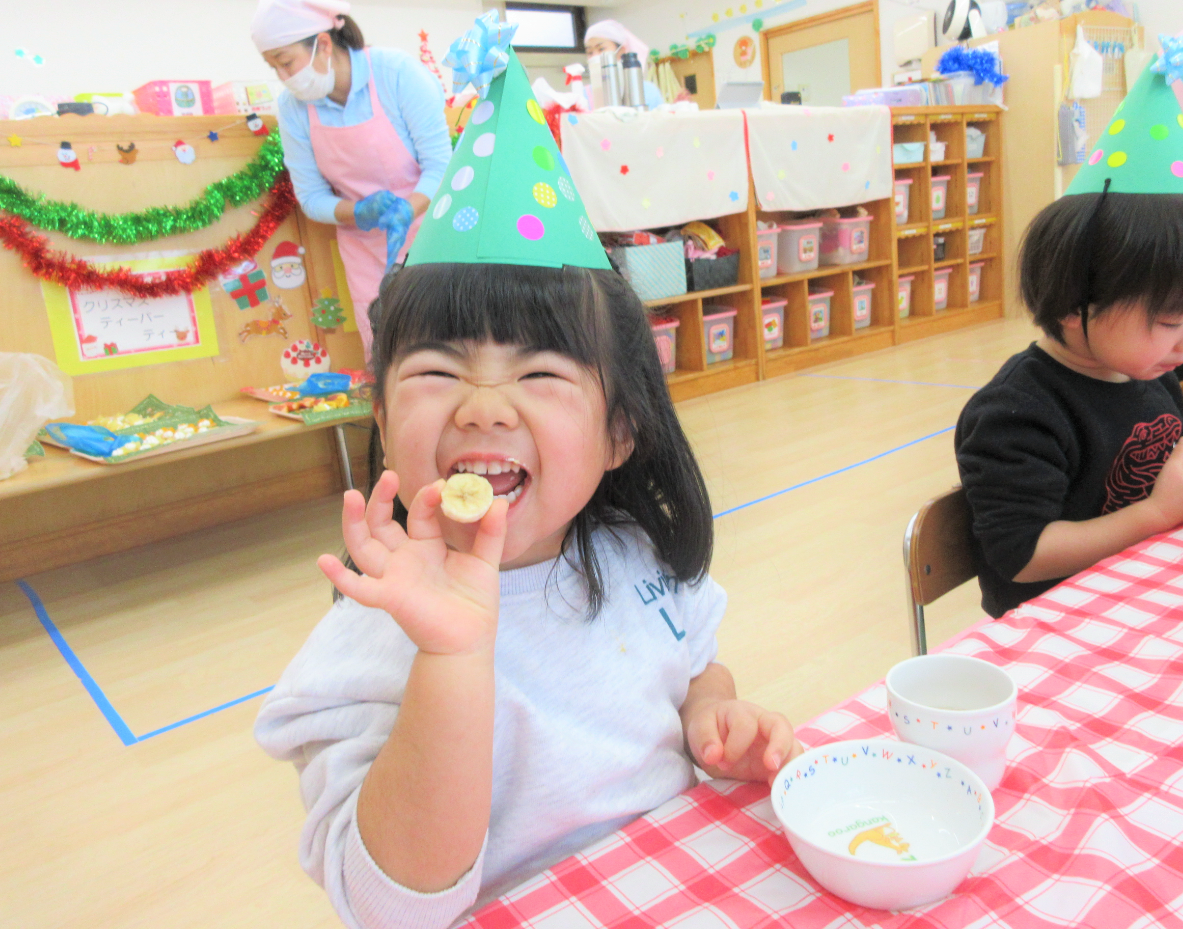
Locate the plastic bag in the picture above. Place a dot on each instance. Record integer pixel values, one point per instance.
(33, 390)
(1088, 69)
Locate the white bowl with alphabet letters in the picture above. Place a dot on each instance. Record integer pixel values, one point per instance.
(881, 823)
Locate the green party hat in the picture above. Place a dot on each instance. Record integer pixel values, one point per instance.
(507, 196)
(1141, 151)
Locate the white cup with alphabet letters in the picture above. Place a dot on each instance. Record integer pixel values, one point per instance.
(963, 707)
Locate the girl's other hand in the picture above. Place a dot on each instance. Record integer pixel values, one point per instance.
(740, 740)
(446, 601)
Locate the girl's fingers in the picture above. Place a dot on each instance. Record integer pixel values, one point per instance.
(422, 520)
(741, 732)
(380, 512)
(490, 537)
(356, 587)
(779, 735)
(705, 742)
(367, 553)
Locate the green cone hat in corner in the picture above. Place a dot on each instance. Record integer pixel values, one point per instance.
(1141, 151)
(506, 196)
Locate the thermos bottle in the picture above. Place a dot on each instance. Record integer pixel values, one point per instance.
(610, 74)
(634, 83)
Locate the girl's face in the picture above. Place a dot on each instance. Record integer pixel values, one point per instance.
(1124, 345)
(534, 423)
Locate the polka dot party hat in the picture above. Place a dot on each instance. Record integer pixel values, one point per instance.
(507, 196)
(1141, 151)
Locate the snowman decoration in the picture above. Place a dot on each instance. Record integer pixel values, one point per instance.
(255, 124)
(67, 157)
(184, 152)
(287, 266)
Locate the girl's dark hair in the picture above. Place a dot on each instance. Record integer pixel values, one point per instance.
(594, 318)
(1103, 251)
(346, 35)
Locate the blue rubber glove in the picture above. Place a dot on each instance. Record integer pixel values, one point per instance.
(383, 210)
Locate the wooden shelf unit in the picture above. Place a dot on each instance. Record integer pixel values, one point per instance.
(895, 250)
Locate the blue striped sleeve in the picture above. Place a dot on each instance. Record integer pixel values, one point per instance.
(312, 190)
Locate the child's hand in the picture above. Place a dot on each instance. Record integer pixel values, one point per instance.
(737, 739)
(446, 601)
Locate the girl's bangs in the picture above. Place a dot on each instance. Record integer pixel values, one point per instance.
(540, 309)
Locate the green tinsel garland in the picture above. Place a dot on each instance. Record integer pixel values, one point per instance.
(254, 180)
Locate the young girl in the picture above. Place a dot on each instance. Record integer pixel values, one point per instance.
(487, 699)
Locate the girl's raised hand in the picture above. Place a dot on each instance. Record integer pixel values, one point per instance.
(446, 601)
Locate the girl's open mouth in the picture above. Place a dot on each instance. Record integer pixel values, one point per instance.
(507, 475)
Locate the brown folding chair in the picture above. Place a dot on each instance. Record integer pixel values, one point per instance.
(938, 556)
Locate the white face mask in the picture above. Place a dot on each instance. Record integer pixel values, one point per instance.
(308, 84)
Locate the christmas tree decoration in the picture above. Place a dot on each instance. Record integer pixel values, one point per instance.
(246, 284)
(185, 152)
(257, 177)
(1141, 151)
(327, 312)
(287, 266)
(76, 274)
(67, 157)
(506, 197)
(127, 155)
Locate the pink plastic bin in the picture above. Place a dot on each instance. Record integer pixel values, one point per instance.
(940, 195)
(846, 241)
(665, 335)
(719, 329)
(904, 295)
(176, 98)
(940, 288)
(797, 247)
(973, 191)
(766, 240)
(774, 322)
(862, 305)
(903, 199)
(975, 281)
(819, 313)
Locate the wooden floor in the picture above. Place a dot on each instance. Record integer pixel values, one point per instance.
(814, 477)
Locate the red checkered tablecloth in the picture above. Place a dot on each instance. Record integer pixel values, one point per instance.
(1089, 823)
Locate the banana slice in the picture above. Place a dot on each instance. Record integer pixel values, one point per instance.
(466, 497)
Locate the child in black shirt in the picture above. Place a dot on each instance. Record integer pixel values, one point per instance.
(1065, 455)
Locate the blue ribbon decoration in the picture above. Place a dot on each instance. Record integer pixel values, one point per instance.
(482, 53)
(1170, 62)
(983, 64)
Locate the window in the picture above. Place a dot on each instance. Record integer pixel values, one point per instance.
(545, 28)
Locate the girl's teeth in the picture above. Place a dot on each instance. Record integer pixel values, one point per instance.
(479, 468)
(495, 467)
(513, 495)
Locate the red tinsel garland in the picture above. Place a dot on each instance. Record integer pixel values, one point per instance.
(77, 274)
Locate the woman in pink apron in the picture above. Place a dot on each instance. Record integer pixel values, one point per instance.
(364, 134)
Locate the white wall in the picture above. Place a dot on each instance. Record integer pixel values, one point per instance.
(1160, 17)
(117, 45)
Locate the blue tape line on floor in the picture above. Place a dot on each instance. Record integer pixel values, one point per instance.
(96, 692)
(822, 477)
(92, 687)
(888, 380)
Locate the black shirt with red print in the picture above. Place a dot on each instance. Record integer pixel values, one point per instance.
(1042, 443)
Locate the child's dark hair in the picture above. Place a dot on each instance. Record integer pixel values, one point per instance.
(1103, 251)
(346, 35)
(595, 318)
